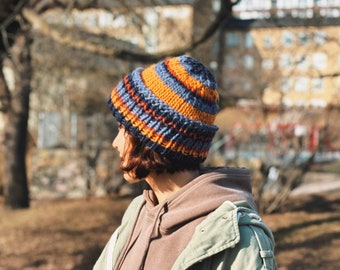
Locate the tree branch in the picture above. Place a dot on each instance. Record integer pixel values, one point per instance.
(8, 20)
(71, 39)
(223, 15)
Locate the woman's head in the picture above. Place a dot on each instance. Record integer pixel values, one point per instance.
(169, 110)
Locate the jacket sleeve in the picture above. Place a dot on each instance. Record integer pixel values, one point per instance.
(254, 251)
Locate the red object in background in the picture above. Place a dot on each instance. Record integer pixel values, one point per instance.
(313, 138)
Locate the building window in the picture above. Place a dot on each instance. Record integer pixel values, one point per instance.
(303, 38)
(49, 130)
(246, 84)
(232, 39)
(329, 12)
(268, 42)
(338, 85)
(247, 9)
(318, 103)
(73, 140)
(302, 62)
(321, 3)
(301, 103)
(248, 40)
(285, 60)
(317, 84)
(253, 4)
(267, 64)
(294, 4)
(319, 61)
(287, 38)
(151, 43)
(91, 19)
(287, 102)
(301, 84)
(105, 19)
(286, 84)
(229, 84)
(214, 49)
(213, 65)
(248, 61)
(320, 37)
(231, 62)
(251, 9)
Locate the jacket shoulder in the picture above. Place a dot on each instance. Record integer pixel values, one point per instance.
(231, 237)
(256, 244)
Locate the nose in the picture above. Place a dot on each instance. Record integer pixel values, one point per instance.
(114, 143)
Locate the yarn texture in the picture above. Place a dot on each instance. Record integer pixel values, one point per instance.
(170, 106)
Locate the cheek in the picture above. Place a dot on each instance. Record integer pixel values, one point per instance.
(123, 147)
(123, 160)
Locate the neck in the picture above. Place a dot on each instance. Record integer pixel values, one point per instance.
(163, 185)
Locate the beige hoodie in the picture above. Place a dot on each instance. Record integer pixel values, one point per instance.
(163, 230)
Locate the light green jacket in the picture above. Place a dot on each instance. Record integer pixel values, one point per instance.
(231, 237)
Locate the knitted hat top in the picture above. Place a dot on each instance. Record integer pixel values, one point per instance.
(171, 106)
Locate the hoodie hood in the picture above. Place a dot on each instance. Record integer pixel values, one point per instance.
(162, 231)
(201, 196)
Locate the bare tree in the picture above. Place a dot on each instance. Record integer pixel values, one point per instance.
(15, 105)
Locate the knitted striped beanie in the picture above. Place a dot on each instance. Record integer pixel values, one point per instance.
(171, 106)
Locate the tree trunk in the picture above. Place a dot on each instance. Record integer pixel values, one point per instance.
(16, 121)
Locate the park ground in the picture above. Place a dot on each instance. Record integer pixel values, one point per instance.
(70, 234)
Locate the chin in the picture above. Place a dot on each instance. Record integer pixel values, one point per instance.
(130, 179)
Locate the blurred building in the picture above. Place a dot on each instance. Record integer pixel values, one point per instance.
(70, 126)
(264, 9)
(71, 85)
(283, 53)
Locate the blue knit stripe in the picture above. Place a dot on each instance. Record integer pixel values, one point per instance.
(179, 89)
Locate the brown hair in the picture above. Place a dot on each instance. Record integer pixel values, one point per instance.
(141, 160)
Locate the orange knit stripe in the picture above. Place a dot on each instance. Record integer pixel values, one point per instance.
(179, 72)
(167, 95)
(158, 117)
(151, 133)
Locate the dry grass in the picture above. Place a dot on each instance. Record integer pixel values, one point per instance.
(70, 234)
(308, 236)
(58, 235)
